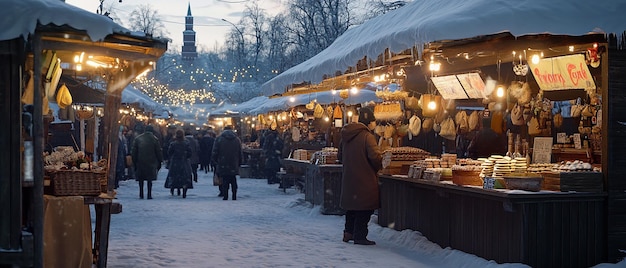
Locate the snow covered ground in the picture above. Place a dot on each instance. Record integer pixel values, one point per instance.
(263, 228)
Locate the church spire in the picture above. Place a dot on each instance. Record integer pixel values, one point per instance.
(189, 37)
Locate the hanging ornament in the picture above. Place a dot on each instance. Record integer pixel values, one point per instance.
(592, 56)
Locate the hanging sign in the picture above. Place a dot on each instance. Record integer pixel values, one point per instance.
(473, 85)
(449, 87)
(560, 73)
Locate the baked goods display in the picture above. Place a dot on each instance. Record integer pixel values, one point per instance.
(403, 154)
(328, 155)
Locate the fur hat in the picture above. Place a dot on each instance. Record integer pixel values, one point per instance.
(366, 115)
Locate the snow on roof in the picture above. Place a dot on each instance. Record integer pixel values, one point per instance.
(20, 17)
(424, 21)
(263, 104)
(133, 95)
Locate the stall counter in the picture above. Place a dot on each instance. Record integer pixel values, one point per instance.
(541, 229)
(322, 184)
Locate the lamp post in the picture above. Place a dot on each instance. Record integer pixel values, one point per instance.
(241, 44)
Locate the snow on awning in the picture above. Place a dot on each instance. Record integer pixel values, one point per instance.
(133, 95)
(324, 98)
(20, 18)
(420, 22)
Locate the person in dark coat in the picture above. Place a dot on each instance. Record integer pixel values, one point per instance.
(487, 142)
(362, 159)
(206, 147)
(147, 157)
(122, 152)
(228, 155)
(194, 160)
(179, 175)
(273, 150)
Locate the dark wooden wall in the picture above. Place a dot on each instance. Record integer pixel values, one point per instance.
(615, 117)
(11, 236)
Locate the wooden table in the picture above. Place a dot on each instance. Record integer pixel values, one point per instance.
(322, 184)
(67, 230)
(541, 229)
(103, 207)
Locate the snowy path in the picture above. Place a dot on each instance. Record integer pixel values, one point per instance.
(263, 228)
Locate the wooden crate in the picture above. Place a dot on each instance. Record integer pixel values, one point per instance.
(573, 181)
(397, 168)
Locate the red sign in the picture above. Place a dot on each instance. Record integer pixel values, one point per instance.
(559, 73)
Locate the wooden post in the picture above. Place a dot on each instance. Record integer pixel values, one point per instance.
(112, 102)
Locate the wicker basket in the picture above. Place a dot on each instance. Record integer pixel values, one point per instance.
(76, 182)
(463, 177)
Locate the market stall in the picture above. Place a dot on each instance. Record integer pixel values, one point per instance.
(38, 45)
(527, 117)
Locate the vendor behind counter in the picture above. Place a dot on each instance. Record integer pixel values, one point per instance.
(487, 142)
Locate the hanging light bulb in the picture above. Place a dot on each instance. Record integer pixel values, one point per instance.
(500, 92)
(354, 90)
(432, 105)
(350, 114)
(535, 59)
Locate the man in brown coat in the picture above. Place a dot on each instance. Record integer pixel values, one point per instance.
(361, 158)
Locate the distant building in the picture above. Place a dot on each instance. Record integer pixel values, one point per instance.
(189, 52)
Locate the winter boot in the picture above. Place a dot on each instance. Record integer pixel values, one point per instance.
(178, 191)
(172, 191)
(234, 195)
(347, 237)
(185, 192)
(141, 190)
(149, 190)
(364, 242)
(225, 195)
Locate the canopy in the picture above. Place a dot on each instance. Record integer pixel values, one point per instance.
(132, 95)
(324, 98)
(23, 15)
(420, 22)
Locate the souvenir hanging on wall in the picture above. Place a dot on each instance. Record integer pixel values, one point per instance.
(388, 111)
(337, 113)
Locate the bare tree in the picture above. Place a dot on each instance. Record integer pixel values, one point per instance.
(379, 7)
(235, 92)
(315, 24)
(147, 20)
(278, 43)
(257, 19)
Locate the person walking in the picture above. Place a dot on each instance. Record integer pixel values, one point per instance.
(194, 160)
(147, 158)
(273, 150)
(227, 155)
(179, 174)
(122, 152)
(206, 147)
(362, 159)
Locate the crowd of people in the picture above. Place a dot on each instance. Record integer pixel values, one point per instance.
(185, 152)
